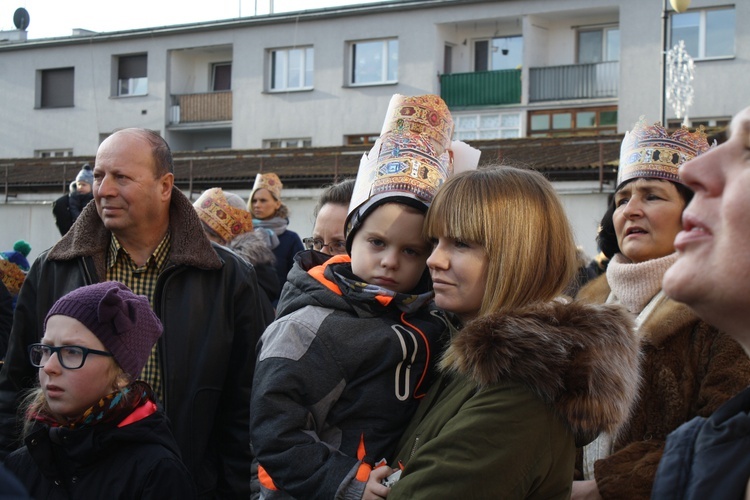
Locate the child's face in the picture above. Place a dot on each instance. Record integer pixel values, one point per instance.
(388, 250)
(70, 392)
(83, 187)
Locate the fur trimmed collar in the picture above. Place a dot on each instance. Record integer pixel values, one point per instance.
(89, 238)
(581, 359)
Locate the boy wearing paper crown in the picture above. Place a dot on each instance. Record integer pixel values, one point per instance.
(341, 370)
(91, 428)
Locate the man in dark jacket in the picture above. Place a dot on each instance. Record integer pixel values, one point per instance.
(143, 232)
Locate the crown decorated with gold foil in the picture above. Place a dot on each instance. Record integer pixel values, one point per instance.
(650, 151)
(412, 156)
(224, 219)
(268, 181)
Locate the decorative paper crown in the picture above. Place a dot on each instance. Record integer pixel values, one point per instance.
(649, 151)
(412, 158)
(268, 181)
(226, 221)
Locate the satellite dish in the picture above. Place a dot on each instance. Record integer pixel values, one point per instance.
(21, 18)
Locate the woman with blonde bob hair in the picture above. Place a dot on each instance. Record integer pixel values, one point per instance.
(526, 375)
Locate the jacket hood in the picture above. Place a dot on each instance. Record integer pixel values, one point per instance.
(581, 359)
(190, 246)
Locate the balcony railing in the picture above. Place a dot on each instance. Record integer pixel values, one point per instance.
(482, 88)
(575, 81)
(208, 107)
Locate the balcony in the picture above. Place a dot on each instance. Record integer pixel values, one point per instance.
(201, 108)
(483, 88)
(575, 81)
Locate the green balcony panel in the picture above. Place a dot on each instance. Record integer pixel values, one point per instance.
(483, 88)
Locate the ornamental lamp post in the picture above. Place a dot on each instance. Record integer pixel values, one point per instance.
(679, 6)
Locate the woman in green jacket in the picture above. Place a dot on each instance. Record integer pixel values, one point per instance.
(526, 376)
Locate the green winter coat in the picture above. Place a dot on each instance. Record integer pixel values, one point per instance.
(516, 394)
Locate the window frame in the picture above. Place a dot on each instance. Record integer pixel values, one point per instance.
(53, 153)
(135, 82)
(502, 45)
(59, 93)
(604, 47)
(288, 143)
(307, 66)
(574, 129)
(385, 69)
(463, 134)
(701, 56)
(214, 67)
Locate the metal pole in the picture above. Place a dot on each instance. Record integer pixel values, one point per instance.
(663, 82)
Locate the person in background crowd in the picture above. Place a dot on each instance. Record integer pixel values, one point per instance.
(92, 427)
(21, 250)
(330, 219)
(6, 318)
(527, 374)
(82, 195)
(227, 223)
(271, 217)
(343, 367)
(13, 269)
(143, 232)
(61, 210)
(689, 368)
(707, 457)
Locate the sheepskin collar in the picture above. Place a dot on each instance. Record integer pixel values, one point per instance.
(670, 318)
(581, 359)
(89, 238)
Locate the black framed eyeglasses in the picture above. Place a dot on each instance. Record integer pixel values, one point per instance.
(71, 357)
(336, 247)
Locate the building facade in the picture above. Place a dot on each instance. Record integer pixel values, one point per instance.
(507, 68)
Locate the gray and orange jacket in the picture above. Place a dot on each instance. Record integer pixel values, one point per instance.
(339, 375)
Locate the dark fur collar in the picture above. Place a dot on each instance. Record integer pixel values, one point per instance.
(581, 359)
(89, 238)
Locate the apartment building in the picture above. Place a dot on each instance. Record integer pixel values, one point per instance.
(320, 78)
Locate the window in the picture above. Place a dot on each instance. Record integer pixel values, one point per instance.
(580, 121)
(56, 88)
(131, 75)
(53, 153)
(221, 76)
(598, 45)
(374, 62)
(291, 69)
(706, 122)
(361, 140)
(487, 126)
(448, 60)
(287, 143)
(707, 33)
(498, 53)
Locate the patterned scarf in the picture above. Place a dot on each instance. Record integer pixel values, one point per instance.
(353, 287)
(112, 408)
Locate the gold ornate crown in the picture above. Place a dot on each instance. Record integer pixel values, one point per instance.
(268, 181)
(412, 156)
(224, 219)
(649, 151)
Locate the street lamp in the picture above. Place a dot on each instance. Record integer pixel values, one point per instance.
(679, 6)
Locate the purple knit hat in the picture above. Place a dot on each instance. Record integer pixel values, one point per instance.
(121, 320)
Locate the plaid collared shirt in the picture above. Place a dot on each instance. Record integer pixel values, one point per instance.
(142, 281)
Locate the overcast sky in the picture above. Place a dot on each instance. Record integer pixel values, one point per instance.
(50, 18)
